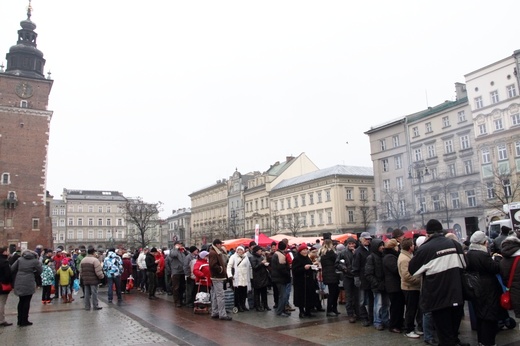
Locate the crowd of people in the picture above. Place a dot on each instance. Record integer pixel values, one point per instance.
(410, 286)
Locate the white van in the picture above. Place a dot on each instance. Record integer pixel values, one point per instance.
(495, 226)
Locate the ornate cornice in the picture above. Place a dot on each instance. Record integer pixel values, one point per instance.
(28, 111)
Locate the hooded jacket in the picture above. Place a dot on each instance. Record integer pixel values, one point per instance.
(358, 266)
(391, 272)
(374, 272)
(91, 270)
(175, 262)
(112, 265)
(65, 273)
(5, 272)
(511, 250)
(23, 271)
(439, 261)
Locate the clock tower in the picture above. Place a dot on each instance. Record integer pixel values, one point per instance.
(24, 139)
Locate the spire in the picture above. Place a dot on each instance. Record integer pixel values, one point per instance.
(24, 59)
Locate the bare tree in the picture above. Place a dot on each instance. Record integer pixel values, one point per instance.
(367, 214)
(294, 222)
(275, 222)
(394, 210)
(145, 217)
(503, 187)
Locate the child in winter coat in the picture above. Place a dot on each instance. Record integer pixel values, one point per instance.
(65, 273)
(47, 276)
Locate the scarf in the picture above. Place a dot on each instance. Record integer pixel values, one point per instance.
(478, 247)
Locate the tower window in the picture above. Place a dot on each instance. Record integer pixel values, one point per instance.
(24, 104)
(5, 179)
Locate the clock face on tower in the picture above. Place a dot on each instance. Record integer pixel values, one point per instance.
(24, 90)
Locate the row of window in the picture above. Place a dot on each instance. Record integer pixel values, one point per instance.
(90, 222)
(90, 209)
(501, 151)
(78, 234)
(8, 223)
(280, 205)
(395, 142)
(498, 124)
(494, 96)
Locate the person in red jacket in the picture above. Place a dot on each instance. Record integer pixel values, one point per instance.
(57, 258)
(160, 272)
(127, 271)
(202, 272)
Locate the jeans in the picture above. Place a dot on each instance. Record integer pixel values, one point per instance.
(366, 299)
(428, 327)
(117, 281)
(218, 302)
(283, 298)
(91, 291)
(381, 305)
(3, 300)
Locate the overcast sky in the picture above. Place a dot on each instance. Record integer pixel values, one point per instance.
(162, 98)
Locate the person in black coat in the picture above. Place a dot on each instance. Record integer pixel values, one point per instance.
(259, 265)
(487, 306)
(393, 285)
(151, 268)
(365, 296)
(304, 281)
(5, 278)
(330, 276)
(374, 274)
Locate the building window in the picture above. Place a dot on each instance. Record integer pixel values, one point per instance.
(431, 150)
(55, 211)
(395, 141)
(70, 234)
(383, 144)
(312, 219)
(296, 202)
(100, 234)
(384, 163)
(363, 194)
(100, 209)
(62, 236)
(445, 121)
(451, 170)
(490, 190)
(472, 199)
(71, 221)
(350, 216)
(100, 222)
(289, 203)
(80, 234)
(80, 221)
(482, 129)
(502, 152)
(319, 197)
(90, 234)
(90, 221)
(329, 217)
(455, 203)
(478, 102)
(120, 222)
(327, 195)
(5, 179)
(494, 96)
(506, 183)
(24, 104)
(418, 154)
(320, 218)
(468, 169)
(436, 203)
(433, 172)
(464, 142)
(399, 183)
(109, 209)
(303, 200)
(515, 119)
(62, 211)
(415, 131)
(398, 162)
(448, 146)
(461, 116)
(311, 198)
(35, 223)
(62, 222)
(498, 124)
(90, 209)
(486, 157)
(511, 90)
(348, 193)
(109, 222)
(428, 127)
(386, 185)
(517, 148)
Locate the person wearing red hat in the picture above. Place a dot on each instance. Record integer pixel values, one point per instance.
(303, 281)
(65, 274)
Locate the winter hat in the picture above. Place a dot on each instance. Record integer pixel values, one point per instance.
(282, 246)
(340, 247)
(240, 247)
(420, 240)
(350, 240)
(302, 247)
(65, 261)
(478, 237)
(505, 230)
(390, 244)
(433, 226)
(256, 248)
(203, 254)
(192, 248)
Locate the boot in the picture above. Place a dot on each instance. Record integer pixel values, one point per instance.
(64, 298)
(342, 299)
(70, 298)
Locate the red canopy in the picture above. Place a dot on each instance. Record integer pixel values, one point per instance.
(264, 240)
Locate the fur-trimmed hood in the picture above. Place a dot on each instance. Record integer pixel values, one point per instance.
(511, 246)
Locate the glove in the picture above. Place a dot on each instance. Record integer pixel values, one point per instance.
(357, 282)
(230, 280)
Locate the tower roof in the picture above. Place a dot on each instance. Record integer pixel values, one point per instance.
(24, 59)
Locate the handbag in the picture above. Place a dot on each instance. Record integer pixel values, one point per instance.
(505, 298)
(471, 287)
(6, 287)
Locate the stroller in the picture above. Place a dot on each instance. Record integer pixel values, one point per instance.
(202, 300)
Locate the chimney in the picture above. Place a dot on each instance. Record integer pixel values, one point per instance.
(460, 90)
(289, 158)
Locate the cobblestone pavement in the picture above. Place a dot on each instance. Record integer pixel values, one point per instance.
(140, 321)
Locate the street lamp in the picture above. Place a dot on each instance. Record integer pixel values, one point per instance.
(419, 175)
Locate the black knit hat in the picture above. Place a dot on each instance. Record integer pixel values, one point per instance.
(433, 226)
(282, 246)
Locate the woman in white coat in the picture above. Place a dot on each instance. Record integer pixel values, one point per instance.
(239, 274)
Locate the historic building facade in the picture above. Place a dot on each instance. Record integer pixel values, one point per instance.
(24, 138)
(493, 93)
(178, 226)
